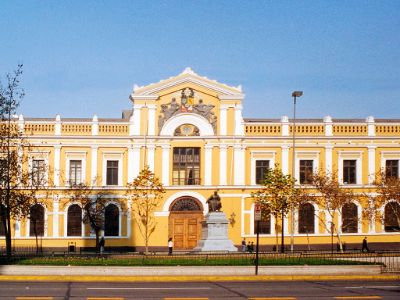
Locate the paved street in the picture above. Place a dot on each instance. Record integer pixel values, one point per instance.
(206, 290)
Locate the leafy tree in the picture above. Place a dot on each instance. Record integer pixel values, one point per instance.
(276, 196)
(15, 202)
(147, 193)
(93, 206)
(331, 196)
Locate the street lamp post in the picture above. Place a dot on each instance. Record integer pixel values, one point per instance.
(295, 95)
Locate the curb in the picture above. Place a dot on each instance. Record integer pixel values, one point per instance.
(195, 278)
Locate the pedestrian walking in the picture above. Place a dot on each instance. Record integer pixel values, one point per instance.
(170, 246)
(244, 245)
(364, 245)
(102, 243)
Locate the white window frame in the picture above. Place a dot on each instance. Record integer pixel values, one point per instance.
(112, 156)
(350, 155)
(39, 155)
(260, 155)
(75, 155)
(389, 155)
(306, 155)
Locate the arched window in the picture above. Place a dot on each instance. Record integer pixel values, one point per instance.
(306, 218)
(74, 223)
(111, 220)
(2, 218)
(392, 217)
(265, 223)
(349, 218)
(186, 204)
(36, 220)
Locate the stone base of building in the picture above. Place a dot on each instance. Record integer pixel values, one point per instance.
(215, 234)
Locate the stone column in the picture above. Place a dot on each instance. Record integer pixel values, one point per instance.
(328, 126)
(95, 125)
(137, 110)
(165, 164)
(285, 159)
(133, 162)
(150, 156)
(371, 164)
(151, 119)
(223, 112)
(222, 164)
(239, 127)
(285, 125)
(57, 155)
(56, 207)
(328, 159)
(57, 126)
(17, 228)
(93, 164)
(208, 164)
(239, 165)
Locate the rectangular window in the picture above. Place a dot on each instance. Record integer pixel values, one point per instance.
(186, 166)
(38, 171)
(75, 172)
(112, 172)
(306, 171)
(261, 168)
(392, 168)
(349, 171)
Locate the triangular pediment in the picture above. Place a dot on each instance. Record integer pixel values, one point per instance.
(188, 76)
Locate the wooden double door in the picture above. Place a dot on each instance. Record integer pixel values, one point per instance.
(185, 228)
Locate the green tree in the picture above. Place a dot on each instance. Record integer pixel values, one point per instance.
(276, 196)
(147, 192)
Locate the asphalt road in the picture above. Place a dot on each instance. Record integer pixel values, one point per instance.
(283, 290)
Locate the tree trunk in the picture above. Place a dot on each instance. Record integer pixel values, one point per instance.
(8, 233)
(339, 241)
(276, 234)
(97, 240)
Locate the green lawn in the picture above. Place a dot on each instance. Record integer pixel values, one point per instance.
(175, 261)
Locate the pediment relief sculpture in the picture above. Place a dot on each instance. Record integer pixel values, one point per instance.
(187, 104)
(187, 130)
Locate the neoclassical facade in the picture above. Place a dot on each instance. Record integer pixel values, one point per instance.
(191, 132)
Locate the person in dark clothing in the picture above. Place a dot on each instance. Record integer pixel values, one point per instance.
(170, 246)
(365, 245)
(102, 243)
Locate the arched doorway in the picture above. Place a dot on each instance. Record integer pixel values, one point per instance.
(186, 215)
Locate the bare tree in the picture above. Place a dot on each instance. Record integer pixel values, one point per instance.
(147, 193)
(15, 202)
(276, 196)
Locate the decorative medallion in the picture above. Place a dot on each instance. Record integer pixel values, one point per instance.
(187, 130)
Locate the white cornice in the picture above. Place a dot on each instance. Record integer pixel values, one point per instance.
(188, 77)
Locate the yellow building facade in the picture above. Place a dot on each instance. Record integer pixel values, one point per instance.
(191, 132)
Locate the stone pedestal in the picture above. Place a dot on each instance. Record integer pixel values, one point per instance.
(215, 234)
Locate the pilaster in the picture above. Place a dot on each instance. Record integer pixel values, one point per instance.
(239, 164)
(208, 164)
(56, 207)
(223, 113)
(166, 149)
(93, 166)
(222, 164)
(57, 155)
(328, 159)
(371, 164)
(285, 160)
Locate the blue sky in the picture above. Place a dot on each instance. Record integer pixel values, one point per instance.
(82, 57)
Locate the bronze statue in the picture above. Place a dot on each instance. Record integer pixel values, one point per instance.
(214, 203)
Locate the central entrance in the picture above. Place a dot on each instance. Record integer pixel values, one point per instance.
(186, 215)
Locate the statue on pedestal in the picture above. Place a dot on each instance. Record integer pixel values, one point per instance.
(214, 202)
